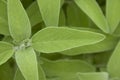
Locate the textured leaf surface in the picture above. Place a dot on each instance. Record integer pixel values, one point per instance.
(93, 76)
(50, 11)
(27, 63)
(114, 62)
(3, 18)
(6, 51)
(91, 8)
(113, 13)
(34, 14)
(65, 69)
(19, 25)
(55, 39)
(107, 44)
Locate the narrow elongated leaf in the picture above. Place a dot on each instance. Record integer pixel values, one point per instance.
(19, 25)
(93, 76)
(6, 51)
(19, 76)
(65, 69)
(27, 63)
(91, 8)
(114, 63)
(50, 11)
(60, 39)
(107, 44)
(113, 13)
(3, 18)
(34, 14)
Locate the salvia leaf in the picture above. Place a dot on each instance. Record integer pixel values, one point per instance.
(3, 18)
(65, 39)
(65, 68)
(113, 13)
(6, 51)
(107, 44)
(34, 14)
(93, 76)
(19, 25)
(50, 11)
(91, 8)
(27, 63)
(114, 62)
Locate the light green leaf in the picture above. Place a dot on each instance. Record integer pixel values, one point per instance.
(3, 18)
(65, 69)
(19, 76)
(54, 39)
(50, 11)
(19, 25)
(113, 13)
(27, 63)
(114, 63)
(34, 14)
(93, 76)
(91, 8)
(6, 51)
(107, 44)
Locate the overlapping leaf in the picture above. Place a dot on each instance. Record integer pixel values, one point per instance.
(91, 8)
(107, 44)
(3, 18)
(65, 69)
(55, 39)
(19, 25)
(34, 14)
(6, 51)
(114, 62)
(93, 76)
(50, 11)
(113, 13)
(27, 63)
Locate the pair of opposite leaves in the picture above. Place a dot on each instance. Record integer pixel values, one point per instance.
(48, 40)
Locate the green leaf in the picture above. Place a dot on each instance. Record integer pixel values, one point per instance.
(54, 39)
(93, 76)
(27, 63)
(3, 18)
(6, 51)
(113, 13)
(7, 71)
(34, 14)
(91, 8)
(50, 11)
(65, 69)
(19, 76)
(75, 17)
(114, 62)
(19, 25)
(107, 44)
